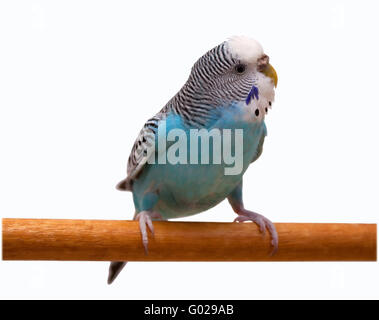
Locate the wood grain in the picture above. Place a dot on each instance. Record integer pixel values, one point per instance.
(104, 240)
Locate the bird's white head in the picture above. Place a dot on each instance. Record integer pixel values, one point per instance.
(250, 51)
(244, 48)
(236, 71)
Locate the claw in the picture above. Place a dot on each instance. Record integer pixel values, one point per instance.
(150, 225)
(263, 224)
(144, 218)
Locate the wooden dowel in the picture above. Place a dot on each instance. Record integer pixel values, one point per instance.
(104, 240)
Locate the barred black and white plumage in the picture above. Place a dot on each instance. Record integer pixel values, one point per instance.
(214, 82)
(141, 151)
(232, 83)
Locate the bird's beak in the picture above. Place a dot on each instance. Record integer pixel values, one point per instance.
(270, 72)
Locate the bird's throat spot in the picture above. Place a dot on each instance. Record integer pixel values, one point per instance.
(253, 94)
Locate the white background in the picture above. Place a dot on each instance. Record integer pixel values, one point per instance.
(78, 79)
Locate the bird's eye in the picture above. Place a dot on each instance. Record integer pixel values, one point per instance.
(240, 68)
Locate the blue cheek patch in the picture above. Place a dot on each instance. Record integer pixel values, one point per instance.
(254, 93)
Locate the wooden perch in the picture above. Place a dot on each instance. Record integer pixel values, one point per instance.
(33, 239)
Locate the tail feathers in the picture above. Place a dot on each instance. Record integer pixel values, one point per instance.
(114, 269)
(124, 185)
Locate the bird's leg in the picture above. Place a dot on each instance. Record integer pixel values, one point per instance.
(262, 222)
(235, 200)
(145, 219)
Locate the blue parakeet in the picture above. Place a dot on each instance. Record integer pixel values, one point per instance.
(230, 90)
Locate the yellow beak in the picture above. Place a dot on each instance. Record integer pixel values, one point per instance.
(271, 73)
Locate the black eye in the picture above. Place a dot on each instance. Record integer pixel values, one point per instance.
(240, 68)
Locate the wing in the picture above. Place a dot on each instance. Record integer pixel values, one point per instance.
(143, 149)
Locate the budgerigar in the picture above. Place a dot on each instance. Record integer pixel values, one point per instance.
(231, 87)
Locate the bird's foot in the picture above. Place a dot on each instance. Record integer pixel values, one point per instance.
(145, 219)
(263, 224)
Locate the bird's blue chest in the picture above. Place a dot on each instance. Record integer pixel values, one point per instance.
(197, 179)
